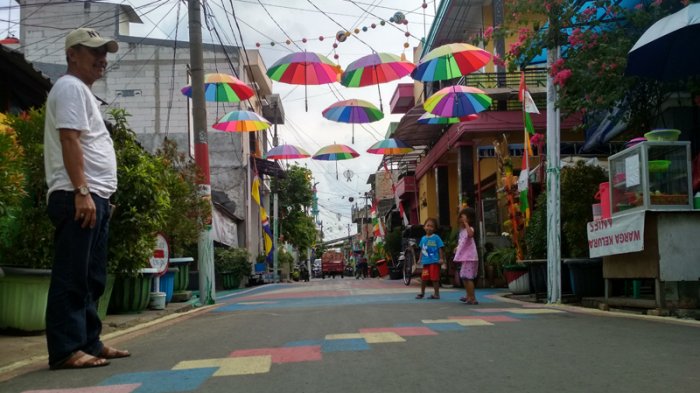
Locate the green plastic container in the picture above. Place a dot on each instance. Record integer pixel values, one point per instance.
(23, 295)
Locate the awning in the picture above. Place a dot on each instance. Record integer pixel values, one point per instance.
(606, 127)
(270, 168)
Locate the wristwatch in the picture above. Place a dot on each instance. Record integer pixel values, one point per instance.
(83, 190)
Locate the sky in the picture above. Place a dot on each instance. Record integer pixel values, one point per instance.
(264, 21)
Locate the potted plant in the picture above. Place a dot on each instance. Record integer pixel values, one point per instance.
(233, 265)
(26, 232)
(141, 205)
(516, 274)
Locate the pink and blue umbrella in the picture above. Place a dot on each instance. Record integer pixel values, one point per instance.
(304, 68)
(450, 61)
(429, 118)
(335, 152)
(286, 152)
(457, 101)
(389, 147)
(222, 88)
(241, 121)
(353, 111)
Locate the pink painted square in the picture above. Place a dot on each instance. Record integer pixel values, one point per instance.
(308, 353)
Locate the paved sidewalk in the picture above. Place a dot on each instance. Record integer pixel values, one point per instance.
(19, 351)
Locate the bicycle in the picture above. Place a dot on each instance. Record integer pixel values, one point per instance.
(409, 256)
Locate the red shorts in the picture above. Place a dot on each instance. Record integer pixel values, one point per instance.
(431, 272)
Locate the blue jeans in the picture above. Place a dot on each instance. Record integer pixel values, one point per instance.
(78, 278)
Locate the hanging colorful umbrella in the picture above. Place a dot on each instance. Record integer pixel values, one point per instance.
(222, 88)
(353, 111)
(335, 152)
(429, 118)
(241, 121)
(304, 68)
(457, 101)
(450, 61)
(375, 69)
(389, 147)
(286, 152)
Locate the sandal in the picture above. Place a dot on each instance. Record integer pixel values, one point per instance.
(419, 296)
(113, 353)
(473, 302)
(463, 299)
(434, 297)
(80, 359)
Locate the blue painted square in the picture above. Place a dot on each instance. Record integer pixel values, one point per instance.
(445, 327)
(163, 381)
(351, 344)
(303, 343)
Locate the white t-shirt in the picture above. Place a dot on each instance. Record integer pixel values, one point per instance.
(72, 105)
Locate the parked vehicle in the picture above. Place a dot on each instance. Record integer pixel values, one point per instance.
(316, 268)
(332, 264)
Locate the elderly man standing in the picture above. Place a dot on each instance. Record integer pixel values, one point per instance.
(81, 173)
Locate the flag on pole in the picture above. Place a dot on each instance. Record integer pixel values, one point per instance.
(264, 219)
(529, 129)
(377, 228)
(523, 186)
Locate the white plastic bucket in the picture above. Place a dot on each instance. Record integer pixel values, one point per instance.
(157, 301)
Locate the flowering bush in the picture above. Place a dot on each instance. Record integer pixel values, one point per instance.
(595, 42)
(11, 174)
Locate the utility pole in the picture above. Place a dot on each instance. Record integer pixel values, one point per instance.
(275, 213)
(205, 250)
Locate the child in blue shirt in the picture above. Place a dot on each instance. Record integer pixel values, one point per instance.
(432, 257)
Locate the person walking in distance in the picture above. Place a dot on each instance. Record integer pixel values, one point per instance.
(432, 257)
(81, 174)
(466, 254)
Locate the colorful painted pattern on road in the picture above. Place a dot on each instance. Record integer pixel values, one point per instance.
(189, 375)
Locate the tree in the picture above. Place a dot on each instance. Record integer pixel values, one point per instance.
(595, 40)
(295, 197)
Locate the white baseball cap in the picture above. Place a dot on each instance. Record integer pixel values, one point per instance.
(90, 38)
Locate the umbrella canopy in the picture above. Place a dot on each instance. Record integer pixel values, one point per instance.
(390, 147)
(375, 69)
(670, 48)
(353, 111)
(241, 121)
(286, 152)
(335, 152)
(222, 88)
(304, 68)
(450, 61)
(429, 118)
(457, 101)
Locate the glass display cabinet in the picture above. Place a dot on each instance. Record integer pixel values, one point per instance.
(651, 176)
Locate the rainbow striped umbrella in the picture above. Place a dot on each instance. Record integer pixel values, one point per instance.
(389, 147)
(335, 152)
(286, 152)
(429, 118)
(457, 101)
(353, 111)
(375, 69)
(222, 88)
(450, 61)
(304, 68)
(241, 121)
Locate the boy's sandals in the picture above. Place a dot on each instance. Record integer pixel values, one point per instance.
(463, 299)
(420, 296)
(80, 359)
(470, 301)
(113, 353)
(434, 297)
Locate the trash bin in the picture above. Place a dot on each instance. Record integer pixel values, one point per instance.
(382, 268)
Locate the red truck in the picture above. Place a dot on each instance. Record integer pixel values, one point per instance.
(332, 264)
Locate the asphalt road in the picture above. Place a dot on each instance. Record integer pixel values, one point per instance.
(373, 336)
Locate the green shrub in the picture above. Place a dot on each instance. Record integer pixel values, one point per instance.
(232, 260)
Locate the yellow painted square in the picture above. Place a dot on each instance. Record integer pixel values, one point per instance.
(231, 366)
(382, 337)
(344, 336)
